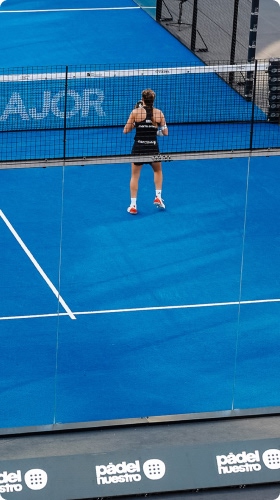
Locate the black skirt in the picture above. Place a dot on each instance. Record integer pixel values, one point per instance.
(145, 149)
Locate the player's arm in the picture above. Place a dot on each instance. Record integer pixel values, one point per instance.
(162, 124)
(130, 123)
(162, 127)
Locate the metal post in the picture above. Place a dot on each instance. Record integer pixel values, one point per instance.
(158, 10)
(194, 26)
(233, 38)
(234, 31)
(252, 47)
(253, 106)
(253, 31)
(159, 17)
(65, 113)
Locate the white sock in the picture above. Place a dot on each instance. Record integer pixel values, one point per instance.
(133, 202)
(158, 193)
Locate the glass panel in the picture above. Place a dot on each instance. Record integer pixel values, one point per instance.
(30, 234)
(257, 362)
(156, 331)
(149, 6)
(161, 314)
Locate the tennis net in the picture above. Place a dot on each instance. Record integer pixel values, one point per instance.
(75, 115)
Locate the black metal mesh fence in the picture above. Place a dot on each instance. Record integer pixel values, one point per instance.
(217, 26)
(77, 114)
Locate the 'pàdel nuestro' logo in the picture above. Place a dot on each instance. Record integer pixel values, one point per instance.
(248, 462)
(241, 462)
(35, 479)
(128, 472)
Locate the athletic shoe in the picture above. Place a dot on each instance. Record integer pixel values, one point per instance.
(132, 210)
(159, 203)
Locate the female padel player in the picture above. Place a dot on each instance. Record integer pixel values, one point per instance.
(148, 122)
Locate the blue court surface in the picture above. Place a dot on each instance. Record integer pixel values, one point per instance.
(46, 33)
(176, 311)
(108, 316)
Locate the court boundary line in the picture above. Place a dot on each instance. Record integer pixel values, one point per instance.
(142, 309)
(66, 10)
(37, 266)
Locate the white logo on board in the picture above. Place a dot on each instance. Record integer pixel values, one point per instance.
(154, 469)
(128, 472)
(241, 462)
(271, 458)
(248, 461)
(11, 482)
(36, 479)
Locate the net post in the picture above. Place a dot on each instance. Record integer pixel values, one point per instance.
(65, 112)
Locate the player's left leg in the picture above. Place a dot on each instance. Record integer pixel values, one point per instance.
(134, 181)
(158, 179)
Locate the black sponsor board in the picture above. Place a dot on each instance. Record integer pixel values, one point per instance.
(152, 470)
(261, 492)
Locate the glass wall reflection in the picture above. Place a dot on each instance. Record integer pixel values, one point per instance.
(148, 6)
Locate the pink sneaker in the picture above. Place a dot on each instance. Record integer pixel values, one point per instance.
(159, 203)
(132, 210)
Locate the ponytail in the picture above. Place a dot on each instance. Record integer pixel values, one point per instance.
(148, 97)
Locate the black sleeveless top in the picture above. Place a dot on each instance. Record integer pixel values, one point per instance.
(145, 139)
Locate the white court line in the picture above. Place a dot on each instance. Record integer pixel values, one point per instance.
(34, 316)
(38, 267)
(153, 308)
(67, 10)
(124, 73)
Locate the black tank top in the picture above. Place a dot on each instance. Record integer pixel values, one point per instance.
(146, 132)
